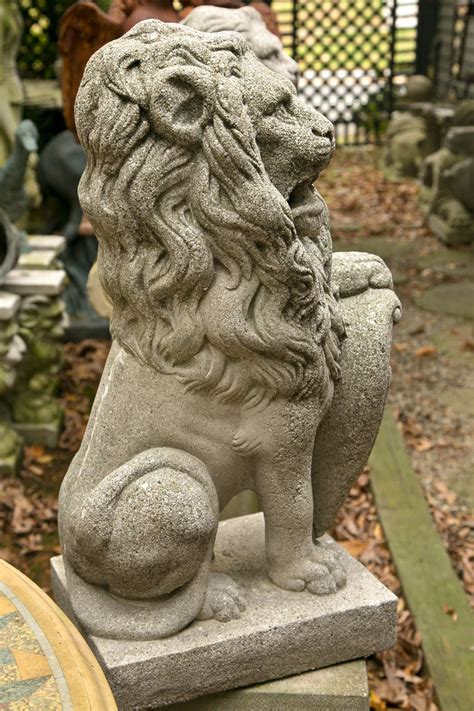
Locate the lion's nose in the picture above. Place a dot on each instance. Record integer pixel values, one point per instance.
(324, 133)
(321, 127)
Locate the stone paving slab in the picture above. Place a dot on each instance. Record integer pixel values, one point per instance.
(452, 299)
(281, 633)
(49, 242)
(37, 259)
(49, 282)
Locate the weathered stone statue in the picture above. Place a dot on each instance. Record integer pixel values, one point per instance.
(250, 24)
(406, 141)
(60, 166)
(233, 365)
(448, 187)
(11, 351)
(33, 399)
(13, 198)
(267, 47)
(10, 244)
(418, 88)
(84, 28)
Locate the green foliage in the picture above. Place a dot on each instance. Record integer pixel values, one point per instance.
(373, 115)
(38, 51)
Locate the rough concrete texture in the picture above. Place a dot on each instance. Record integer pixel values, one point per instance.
(342, 687)
(250, 24)
(281, 632)
(229, 339)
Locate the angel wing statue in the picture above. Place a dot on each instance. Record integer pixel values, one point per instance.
(85, 28)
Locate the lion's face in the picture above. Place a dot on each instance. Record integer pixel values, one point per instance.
(295, 141)
(213, 243)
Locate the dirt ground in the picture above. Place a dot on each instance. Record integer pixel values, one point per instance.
(431, 394)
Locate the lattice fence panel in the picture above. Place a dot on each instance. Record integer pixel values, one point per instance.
(351, 54)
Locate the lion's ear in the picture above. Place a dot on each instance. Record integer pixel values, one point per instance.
(181, 103)
(126, 77)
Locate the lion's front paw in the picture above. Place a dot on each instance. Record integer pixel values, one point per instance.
(354, 272)
(223, 599)
(320, 572)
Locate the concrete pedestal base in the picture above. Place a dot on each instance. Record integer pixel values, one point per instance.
(342, 687)
(280, 634)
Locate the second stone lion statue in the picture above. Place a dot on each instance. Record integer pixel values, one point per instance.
(234, 365)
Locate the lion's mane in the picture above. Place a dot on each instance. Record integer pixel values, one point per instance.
(167, 214)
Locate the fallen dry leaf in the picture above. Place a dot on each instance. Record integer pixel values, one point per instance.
(424, 445)
(448, 610)
(425, 351)
(45, 459)
(355, 548)
(376, 703)
(34, 451)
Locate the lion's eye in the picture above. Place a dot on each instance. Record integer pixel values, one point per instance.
(282, 109)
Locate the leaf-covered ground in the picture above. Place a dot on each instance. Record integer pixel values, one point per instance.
(433, 359)
(433, 365)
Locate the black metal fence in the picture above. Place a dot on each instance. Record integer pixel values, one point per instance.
(352, 54)
(355, 54)
(462, 51)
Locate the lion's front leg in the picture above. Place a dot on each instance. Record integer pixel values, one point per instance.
(284, 489)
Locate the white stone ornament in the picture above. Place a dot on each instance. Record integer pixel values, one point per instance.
(248, 22)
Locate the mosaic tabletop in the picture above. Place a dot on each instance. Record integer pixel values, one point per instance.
(44, 662)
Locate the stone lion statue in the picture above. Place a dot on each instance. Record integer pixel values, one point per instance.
(447, 187)
(409, 138)
(234, 365)
(250, 24)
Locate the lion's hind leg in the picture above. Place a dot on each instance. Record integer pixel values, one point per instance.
(138, 546)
